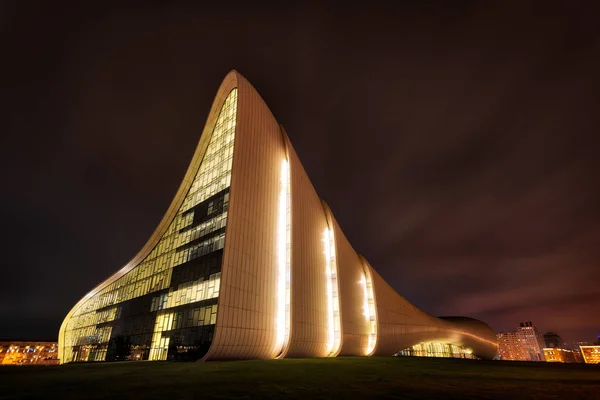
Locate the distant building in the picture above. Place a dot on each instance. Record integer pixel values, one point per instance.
(591, 354)
(578, 356)
(524, 344)
(28, 353)
(554, 354)
(532, 340)
(575, 345)
(508, 346)
(552, 340)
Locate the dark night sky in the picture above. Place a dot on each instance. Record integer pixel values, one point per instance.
(455, 143)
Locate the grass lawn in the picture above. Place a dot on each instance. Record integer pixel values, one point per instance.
(343, 378)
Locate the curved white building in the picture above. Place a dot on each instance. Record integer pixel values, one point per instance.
(249, 263)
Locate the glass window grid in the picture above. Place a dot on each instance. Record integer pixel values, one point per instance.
(205, 228)
(188, 292)
(437, 349)
(169, 320)
(154, 272)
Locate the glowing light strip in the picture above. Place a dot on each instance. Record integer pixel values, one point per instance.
(283, 261)
(369, 310)
(333, 302)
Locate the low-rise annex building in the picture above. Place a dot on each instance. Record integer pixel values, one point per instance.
(249, 263)
(591, 354)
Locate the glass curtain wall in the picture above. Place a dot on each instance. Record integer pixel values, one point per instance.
(166, 307)
(437, 349)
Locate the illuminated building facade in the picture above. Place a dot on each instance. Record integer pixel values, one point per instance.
(577, 355)
(508, 346)
(555, 354)
(524, 344)
(436, 349)
(590, 354)
(28, 353)
(532, 341)
(249, 263)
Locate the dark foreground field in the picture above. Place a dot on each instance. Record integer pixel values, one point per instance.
(343, 378)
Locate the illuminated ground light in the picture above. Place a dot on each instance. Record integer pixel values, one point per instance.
(283, 260)
(333, 301)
